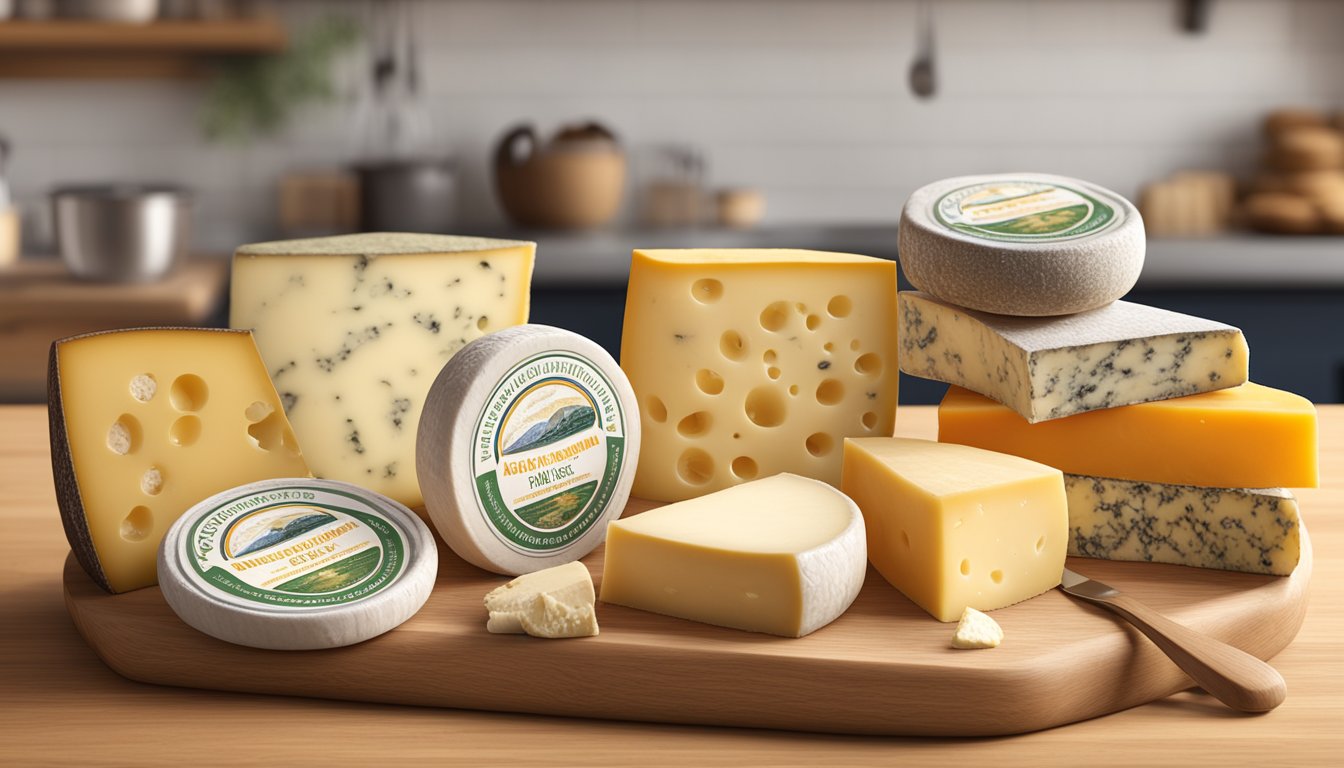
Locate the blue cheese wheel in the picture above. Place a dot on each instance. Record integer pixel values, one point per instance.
(1024, 244)
(297, 564)
(527, 448)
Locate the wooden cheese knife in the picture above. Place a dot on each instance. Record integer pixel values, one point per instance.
(1233, 676)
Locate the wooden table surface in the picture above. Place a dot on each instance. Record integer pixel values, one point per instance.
(60, 706)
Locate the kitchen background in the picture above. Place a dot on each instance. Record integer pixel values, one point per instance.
(804, 109)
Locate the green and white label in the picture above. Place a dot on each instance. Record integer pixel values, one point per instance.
(295, 547)
(1024, 211)
(547, 452)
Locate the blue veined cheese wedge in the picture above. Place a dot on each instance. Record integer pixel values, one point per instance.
(1050, 367)
(1255, 530)
(353, 330)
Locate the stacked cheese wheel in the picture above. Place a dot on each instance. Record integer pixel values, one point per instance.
(1170, 454)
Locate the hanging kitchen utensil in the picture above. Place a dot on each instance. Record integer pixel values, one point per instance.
(923, 80)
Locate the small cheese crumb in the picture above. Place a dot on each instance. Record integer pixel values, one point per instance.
(976, 630)
(143, 387)
(152, 481)
(555, 602)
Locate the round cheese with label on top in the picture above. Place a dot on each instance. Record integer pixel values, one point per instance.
(1025, 244)
(297, 564)
(527, 448)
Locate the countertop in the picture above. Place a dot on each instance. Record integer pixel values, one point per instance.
(1244, 260)
(59, 705)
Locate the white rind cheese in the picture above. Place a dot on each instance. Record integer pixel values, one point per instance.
(785, 555)
(1021, 243)
(297, 564)
(549, 601)
(1048, 368)
(354, 328)
(527, 447)
(1255, 530)
(976, 630)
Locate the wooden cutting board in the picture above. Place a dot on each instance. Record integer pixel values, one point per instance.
(882, 668)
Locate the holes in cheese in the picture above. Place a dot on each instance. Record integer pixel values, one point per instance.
(185, 431)
(840, 306)
(869, 420)
(695, 466)
(707, 291)
(868, 364)
(189, 392)
(765, 407)
(731, 345)
(813, 322)
(128, 459)
(819, 444)
(744, 467)
(708, 381)
(138, 524)
(775, 316)
(151, 482)
(953, 527)
(124, 435)
(695, 424)
(656, 409)
(830, 392)
(143, 387)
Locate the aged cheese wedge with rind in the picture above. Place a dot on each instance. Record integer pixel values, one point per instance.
(527, 447)
(749, 362)
(569, 584)
(1254, 530)
(1048, 368)
(784, 555)
(953, 527)
(1249, 436)
(976, 630)
(354, 328)
(1021, 243)
(144, 423)
(297, 564)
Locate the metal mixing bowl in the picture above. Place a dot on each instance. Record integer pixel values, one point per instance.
(121, 232)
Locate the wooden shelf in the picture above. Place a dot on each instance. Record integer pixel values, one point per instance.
(85, 49)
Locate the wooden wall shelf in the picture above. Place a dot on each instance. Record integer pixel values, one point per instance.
(84, 49)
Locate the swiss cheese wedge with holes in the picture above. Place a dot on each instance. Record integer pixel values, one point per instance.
(748, 363)
(147, 422)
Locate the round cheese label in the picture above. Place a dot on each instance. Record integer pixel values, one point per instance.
(295, 546)
(548, 451)
(1025, 211)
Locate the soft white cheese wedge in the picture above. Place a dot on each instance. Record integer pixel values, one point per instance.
(569, 586)
(976, 630)
(785, 555)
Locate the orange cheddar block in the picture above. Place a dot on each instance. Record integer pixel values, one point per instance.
(1249, 436)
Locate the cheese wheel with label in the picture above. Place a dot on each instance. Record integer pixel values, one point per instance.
(297, 564)
(1025, 244)
(527, 448)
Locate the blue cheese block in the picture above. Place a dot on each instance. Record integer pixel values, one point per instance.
(353, 330)
(1255, 530)
(1050, 367)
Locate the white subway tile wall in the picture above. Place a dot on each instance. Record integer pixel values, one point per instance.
(807, 100)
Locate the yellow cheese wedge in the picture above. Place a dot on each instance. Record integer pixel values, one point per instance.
(784, 555)
(1249, 436)
(954, 527)
(747, 363)
(146, 423)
